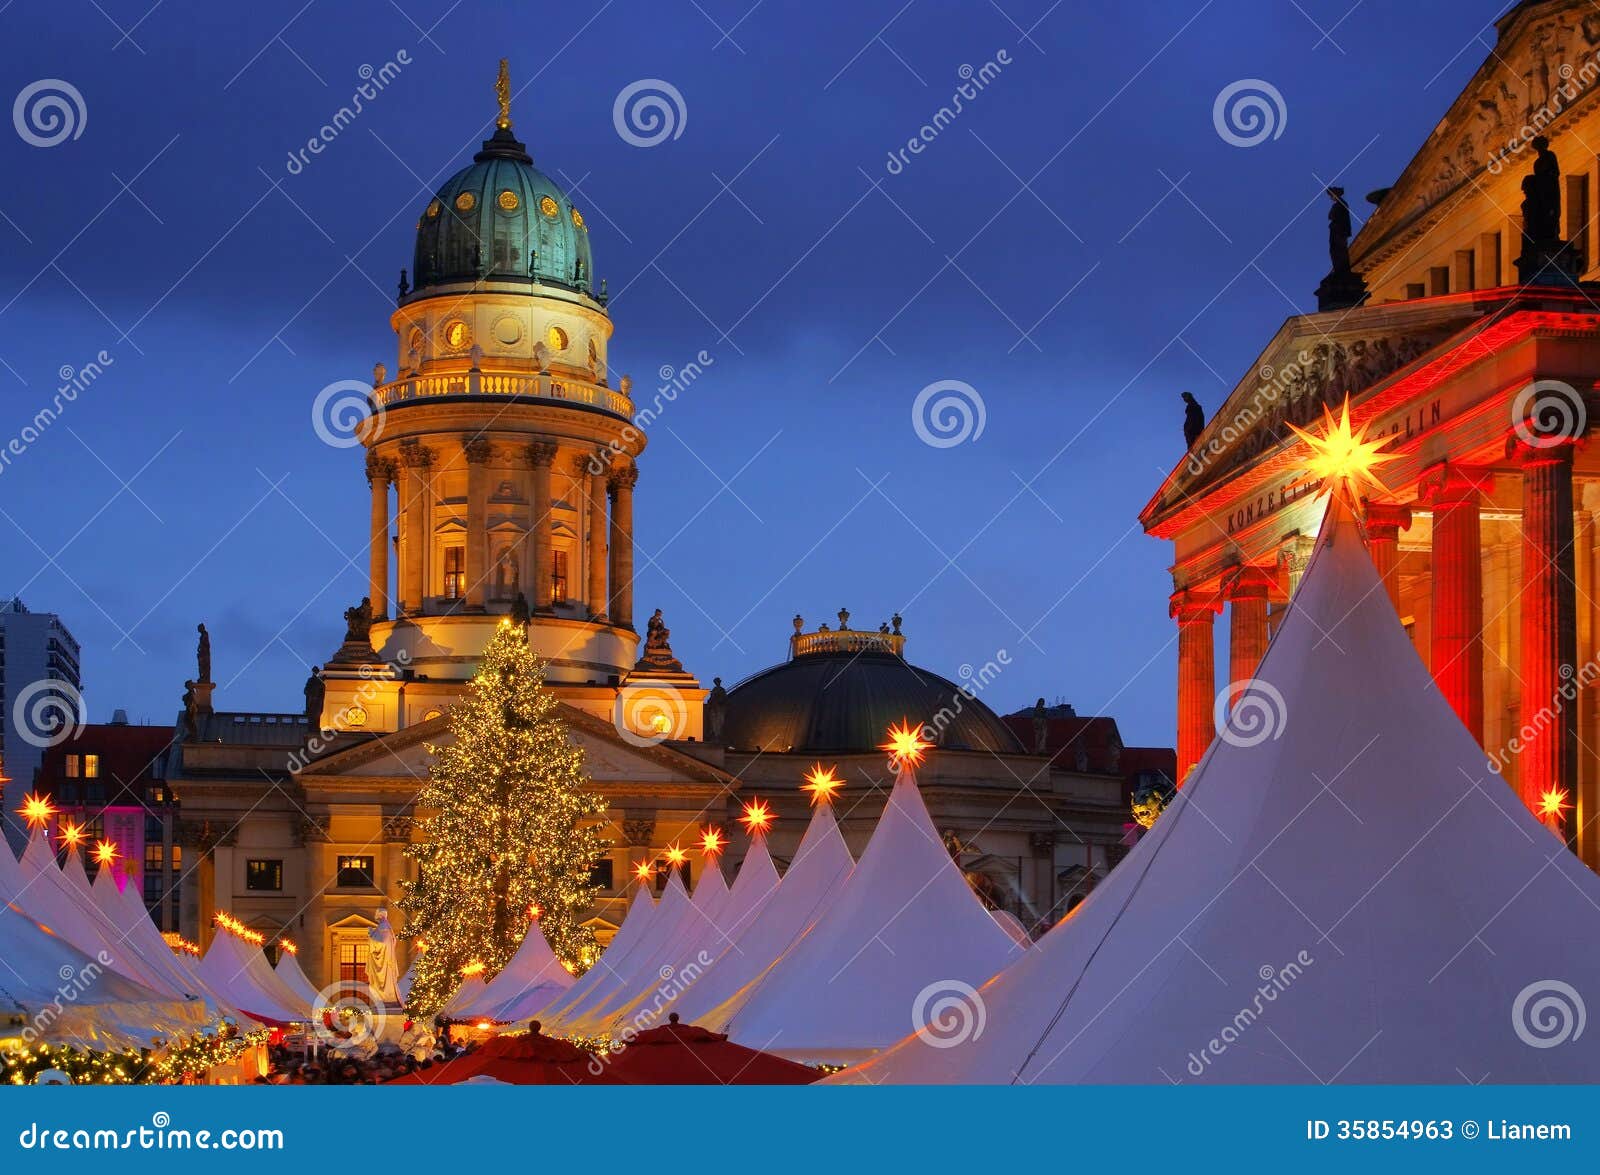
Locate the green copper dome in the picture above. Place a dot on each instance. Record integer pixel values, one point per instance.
(501, 219)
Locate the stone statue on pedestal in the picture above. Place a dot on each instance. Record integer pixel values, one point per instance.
(1546, 259)
(316, 690)
(1041, 728)
(658, 647)
(1194, 420)
(382, 971)
(716, 710)
(1343, 288)
(203, 654)
(358, 622)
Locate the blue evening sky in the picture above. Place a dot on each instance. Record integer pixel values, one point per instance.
(1079, 246)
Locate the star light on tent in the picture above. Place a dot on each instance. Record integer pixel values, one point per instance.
(36, 810)
(757, 817)
(712, 841)
(473, 968)
(1344, 458)
(105, 853)
(645, 871)
(72, 834)
(286, 944)
(675, 855)
(821, 782)
(1553, 806)
(905, 746)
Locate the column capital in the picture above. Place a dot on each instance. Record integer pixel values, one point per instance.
(1389, 518)
(1188, 606)
(1294, 552)
(1250, 581)
(1525, 450)
(541, 454)
(587, 465)
(475, 448)
(624, 478)
(1450, 484)
(415, 455)
(379, 469)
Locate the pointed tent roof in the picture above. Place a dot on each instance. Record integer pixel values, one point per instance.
(635, 928)
(645, 973)
(815, 876)
(1345, 892)
(294, 978)
(469, 993)
(694, 955)
(527, 984)
(1008, 923)
(904, 922)
(132, 926)
(239, 973)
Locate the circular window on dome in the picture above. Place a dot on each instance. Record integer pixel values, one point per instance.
(433, 210)
(508, 201)
(577, 218)
(457, 335)
(508, 330)
(549, 207)
(557, 338)
(414, 340)
(466, 202)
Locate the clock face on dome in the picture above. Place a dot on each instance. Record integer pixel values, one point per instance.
(457, 334)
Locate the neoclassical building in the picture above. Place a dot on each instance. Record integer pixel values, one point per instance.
(501, 463)
(1461, 327)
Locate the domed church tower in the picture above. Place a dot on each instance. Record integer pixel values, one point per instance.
(500, 452)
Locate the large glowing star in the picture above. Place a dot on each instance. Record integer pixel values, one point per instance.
(37, 810)
(675, 855)
(1553, 805)
(473, 968)
(105, 852)
(905, 745)
(645, 871)
(821, 782)
(757, 817)
(288, 946)
(72, 833)
(1343, 458)
(711, 842)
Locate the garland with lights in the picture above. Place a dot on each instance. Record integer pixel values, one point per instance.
(511, 829)
(23, 1063)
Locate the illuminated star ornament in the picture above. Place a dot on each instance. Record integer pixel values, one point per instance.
(72, 834)
(105, 853)
(1344, 458)
(712, 841)
(821, 782)
(905, 746)
(1553, 807)
(757, 818)
(36, 810)
(675, 855)
(645, 871)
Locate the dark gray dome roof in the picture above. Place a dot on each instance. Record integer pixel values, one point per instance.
(844, 702)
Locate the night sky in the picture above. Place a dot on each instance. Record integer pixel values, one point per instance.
(1079, 245)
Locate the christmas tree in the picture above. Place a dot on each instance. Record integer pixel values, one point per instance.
(509, 830)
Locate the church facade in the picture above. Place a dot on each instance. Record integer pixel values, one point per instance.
(501, 460)
(1460, 324)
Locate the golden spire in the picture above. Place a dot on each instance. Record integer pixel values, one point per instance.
(502, 89)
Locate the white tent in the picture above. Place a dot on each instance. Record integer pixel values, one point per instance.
(1342, 892)
(635, 927)
(468, 993)
(133, 930)
(526, 985)
(694, 955)
(403, 988)
(288, 969)
(815, 876)
(239, 973)
(1008, 923)
(52, 991)
(906, 926)
(655, 964)
(615, 969)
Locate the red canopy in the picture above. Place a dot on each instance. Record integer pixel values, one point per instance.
(686, 1054)
(528, 1059)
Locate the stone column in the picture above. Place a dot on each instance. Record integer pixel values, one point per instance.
(541, 456)
(380, 471)
(594, 467)
(1456, 655)
(475, 449)
(1247, 591)
(1294, 557)
(622, 483)
(1197, 685)
(1384, 522)
(1549, 711)
(416, 533)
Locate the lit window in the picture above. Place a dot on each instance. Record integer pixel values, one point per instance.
(74, 766)
(558, 577)
(355, 873)
(263, 875)
(455, 559)
(91, 766)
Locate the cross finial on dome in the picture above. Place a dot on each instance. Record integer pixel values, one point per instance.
(502, 90)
